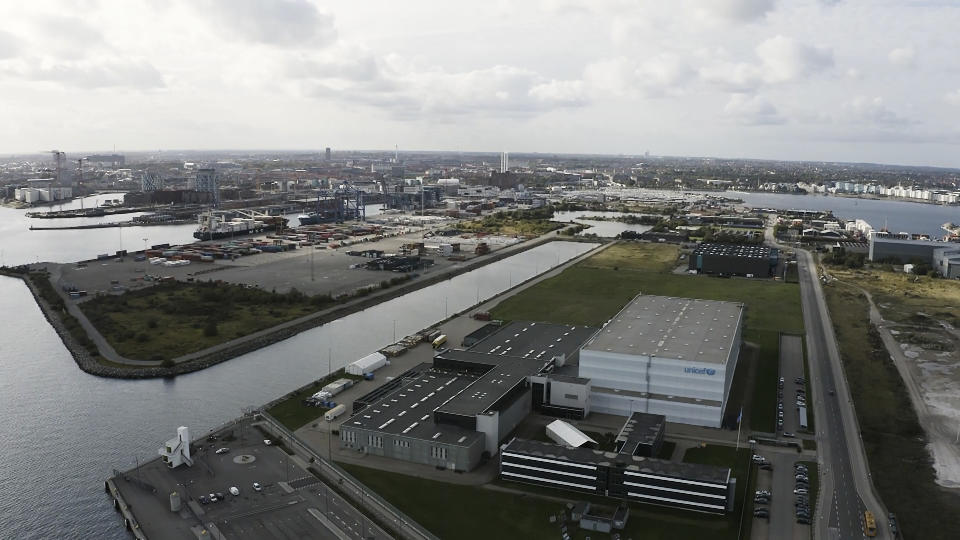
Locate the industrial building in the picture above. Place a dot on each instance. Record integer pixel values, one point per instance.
(641, 435)
(752, 260)
(890, 248)
(701, 488)
(663, 355)
(947, 261)
(449, 414)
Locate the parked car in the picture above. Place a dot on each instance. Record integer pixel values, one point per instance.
(788, 435)
(267, 442)
(256, 486)
(222, 450)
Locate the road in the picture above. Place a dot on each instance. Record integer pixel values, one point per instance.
(846, 487)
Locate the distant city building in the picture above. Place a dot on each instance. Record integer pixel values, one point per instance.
(151, 181)
(326, 154)
(504, 162)
(106, 160)
(207, 181)
(896, 248)
(42, 190)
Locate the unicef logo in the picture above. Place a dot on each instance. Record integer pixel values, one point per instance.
(700, 371)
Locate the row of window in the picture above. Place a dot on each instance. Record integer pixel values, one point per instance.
(376, 441)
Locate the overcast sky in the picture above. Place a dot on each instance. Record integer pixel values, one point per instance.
(843, 80)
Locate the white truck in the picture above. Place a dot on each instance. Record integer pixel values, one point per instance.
(335, 412)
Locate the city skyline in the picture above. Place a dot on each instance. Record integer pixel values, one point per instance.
(731, 78)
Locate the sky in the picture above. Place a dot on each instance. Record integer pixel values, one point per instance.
(832, 80)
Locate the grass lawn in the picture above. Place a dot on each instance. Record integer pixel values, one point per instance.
(293, 413)
(533, 222)
(593, 291)
(172, 319)
(895, 443)
(474, 512)
(900, 296)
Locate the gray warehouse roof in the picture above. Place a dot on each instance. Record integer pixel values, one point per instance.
(668, 327)
(752, 251)
(640, 428)
(688, 471)
(535, 340)
(408, 410)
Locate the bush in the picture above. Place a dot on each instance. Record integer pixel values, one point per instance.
(167, 363)
(211, 330)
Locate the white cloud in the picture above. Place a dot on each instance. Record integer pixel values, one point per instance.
(664, 74)
(953, 97)
(752, 110)
(98, 74)
(9, 45)
(284, 23)
(903, 57)
(784, 59)
(866, 110)
(737, 10)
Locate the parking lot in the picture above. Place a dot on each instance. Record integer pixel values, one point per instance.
(312, 270)
(291, 502)
(792, 386)
(781, 506)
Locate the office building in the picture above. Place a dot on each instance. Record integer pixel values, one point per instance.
(688, 486)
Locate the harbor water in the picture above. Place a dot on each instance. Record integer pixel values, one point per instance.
(65, 430)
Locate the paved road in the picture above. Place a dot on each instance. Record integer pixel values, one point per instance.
(846, 488)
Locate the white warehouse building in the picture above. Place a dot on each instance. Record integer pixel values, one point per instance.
(664, 355)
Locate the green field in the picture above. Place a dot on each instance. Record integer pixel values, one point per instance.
(475, 512)
(901, 466)
(533, 222)
(593, 291)
(172, 319)
(293, 413)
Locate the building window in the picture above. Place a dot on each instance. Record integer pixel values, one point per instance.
(570, 396)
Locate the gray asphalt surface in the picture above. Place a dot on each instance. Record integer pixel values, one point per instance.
(846, 489)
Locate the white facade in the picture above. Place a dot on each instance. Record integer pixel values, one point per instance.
(176, 451)
(565, 434)
(367, 364)
(684, 364)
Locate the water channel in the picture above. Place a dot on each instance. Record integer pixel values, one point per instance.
(64, 430)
